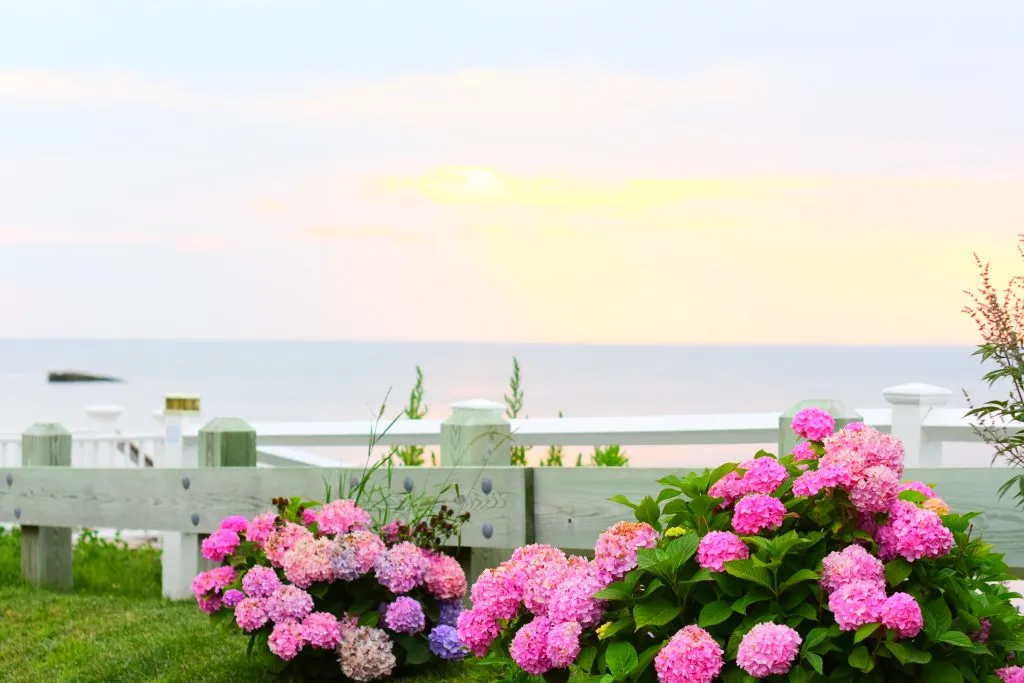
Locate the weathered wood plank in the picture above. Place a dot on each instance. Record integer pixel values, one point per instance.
(167, 499)
(571, 506)
(46, 548)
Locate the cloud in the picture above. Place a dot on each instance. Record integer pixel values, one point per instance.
(364, 232)
(483, 96)
(74, 238)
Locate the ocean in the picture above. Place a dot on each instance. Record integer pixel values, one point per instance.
(272, 381)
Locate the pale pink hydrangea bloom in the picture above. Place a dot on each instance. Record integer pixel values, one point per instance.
(260, 582)
(757, 512)
(477, 630)
(536, 569)
(366, 654)
(876, 490)
(616, 549)
(858, 450)
(1011, 674)
(853, 563)
(342, 516)
(401, 568)
(813, 424)
(855, 426)
(857, 603)
(389, 532)
(825, 477)
(529, 647)
(563, 644)
(690, 656)
(573, 598)
(250, 614)
(762, 475)
(286, 640)
(288, 603)
(495, 595)
(355, 553)
(803, 452)
(913, 533)
(444, 578)
(236, 523)
(309, 562)
(729, 488)
(719, 547)
(210, 603)
(321, 630)
(213, 581)
(260, 528)
(768, 649)
(283, 539)
(220, 544)
(902, 615)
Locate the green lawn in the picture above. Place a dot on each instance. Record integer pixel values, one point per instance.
(114, 627)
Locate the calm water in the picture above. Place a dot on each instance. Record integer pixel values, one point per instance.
(348, 381)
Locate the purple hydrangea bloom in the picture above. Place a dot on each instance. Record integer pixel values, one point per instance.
(445, 643)
(450, 611)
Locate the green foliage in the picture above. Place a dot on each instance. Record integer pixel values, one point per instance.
(999, 317)
(609, 456)
(513, 406)
(555, 453)
(412, 456)
(779, 582)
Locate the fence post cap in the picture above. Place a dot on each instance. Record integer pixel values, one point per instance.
(47, 429)
(182, 404)
(478, 404)
(222, 425)
(104, 411)
(917, 393)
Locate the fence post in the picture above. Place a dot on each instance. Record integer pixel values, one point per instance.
(911, 403)
(179, 411)
(477, 435)
(46, 551)
(843, 416)
(104, 419)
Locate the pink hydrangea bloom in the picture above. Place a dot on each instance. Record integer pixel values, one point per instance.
(616, 548)
(260, 528)
(1011, 674)
(982, 634)
(913, 533)
(729, 488)
(719, 547)
(401, 568)
(757, 512)
(233, 597)
(857, 603)
(902, 615)
(210, 603)
(826, 477)
(883, 449)
(444, 578)
(563, 644)
(495, 594)
(286, 640)
(288, 603)
(389, 532)
(763, 475)
(213, 581)
(321, 630)
(536, 569)
(366, 654)
(355, 553)
(803, 452)
(250, 614)
(236, 523)
(857, 450)
(876, 490)
(918, 486)
(855, 426)
(690, 656)
(853, 563)
(405, 615)
(813, 424)
(309, 562)
(529, 647)
(477, 630)
(308, 516)
(768, 649)
(283, 539)
(220, 544)
(342, 516)
(573, 598)
(260, 582)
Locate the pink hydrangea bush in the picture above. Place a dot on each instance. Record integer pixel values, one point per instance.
(824, 564)
(329, 597)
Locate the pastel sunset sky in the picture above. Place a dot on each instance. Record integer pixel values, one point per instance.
(656, 171)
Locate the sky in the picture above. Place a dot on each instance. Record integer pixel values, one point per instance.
(579, 171)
